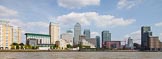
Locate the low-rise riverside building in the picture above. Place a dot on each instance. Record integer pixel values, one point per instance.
(68, 37)
(84, 42)
(154, 43)
(92, 41)
(112, 44)
(63, 44)
(37, 39)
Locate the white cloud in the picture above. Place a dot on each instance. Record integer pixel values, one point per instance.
(77, 3)
(40, 24)
(136, 36)
(5, 12)
(19, 23)
(38, 27)
(128, 3)
(92, 17)
(94, 34)
(158, 24)
(16, 22)
(109, 20)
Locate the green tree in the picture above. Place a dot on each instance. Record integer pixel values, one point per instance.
(34, 47)
(56, 46)
(21, 45)
(53, 47)
(80, 45)
(69, 46)
(14, 46)
(86, 46)
(28, 47)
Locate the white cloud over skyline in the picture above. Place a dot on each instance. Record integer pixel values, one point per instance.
(127, 4)
(20, 23)
(136, 36)
(77, 3)
(88, 18)
(94, 34)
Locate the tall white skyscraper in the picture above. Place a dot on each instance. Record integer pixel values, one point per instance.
(77, 33)
(54, 30)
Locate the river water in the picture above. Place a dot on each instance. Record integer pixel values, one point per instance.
(80, 55)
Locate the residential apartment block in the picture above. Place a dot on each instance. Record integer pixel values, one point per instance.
(8, 35)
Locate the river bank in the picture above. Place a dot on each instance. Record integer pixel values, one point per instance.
(31, 50)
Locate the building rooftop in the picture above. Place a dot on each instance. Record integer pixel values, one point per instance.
(153, 36)
(37, 34)
(77, 25)
(112, 41)
(4, 22)
(53, 23)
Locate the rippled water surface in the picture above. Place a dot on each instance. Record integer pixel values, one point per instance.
(80, 55)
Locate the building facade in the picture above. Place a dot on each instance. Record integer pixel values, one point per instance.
(145, 33)
(84, 42)
(68, 37)
(54, 30)
(87, 33)
(106, 36)
(154, 43)
(16, 32)
(39, 38)
(63, 44)
(92, 41)
(8, 35)
(98, 41)
(130, 43)
(113, 44)
(77, 33)
(32, 42)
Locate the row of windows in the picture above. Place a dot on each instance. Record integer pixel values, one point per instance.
(44, 41)
(39, 37)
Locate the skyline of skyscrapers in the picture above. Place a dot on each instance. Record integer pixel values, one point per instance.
(10, 34)
(54, 30)
(77, 33)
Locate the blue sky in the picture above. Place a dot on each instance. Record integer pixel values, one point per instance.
(123, 18)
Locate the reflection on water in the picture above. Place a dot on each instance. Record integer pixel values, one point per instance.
(80, 55)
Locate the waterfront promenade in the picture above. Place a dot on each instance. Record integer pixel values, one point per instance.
(80, 55)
